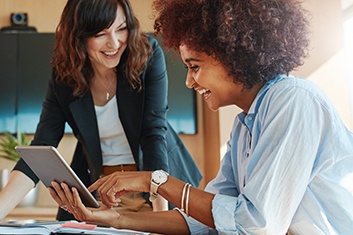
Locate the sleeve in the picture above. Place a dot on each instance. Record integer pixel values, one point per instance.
(285, 140)
(154, 123)
(223, 207)
(50, 128)
(225, 182)
(195, 227)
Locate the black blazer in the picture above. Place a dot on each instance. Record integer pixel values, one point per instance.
(153, 142)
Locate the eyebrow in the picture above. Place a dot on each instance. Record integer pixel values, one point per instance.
(119, 26)
(191, 59)
(124, 22)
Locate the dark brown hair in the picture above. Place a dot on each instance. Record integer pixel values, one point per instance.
(82, 19)
(254, 39)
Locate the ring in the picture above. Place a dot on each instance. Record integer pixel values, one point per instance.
(64, 207)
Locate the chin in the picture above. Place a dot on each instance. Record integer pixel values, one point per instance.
(213, 107)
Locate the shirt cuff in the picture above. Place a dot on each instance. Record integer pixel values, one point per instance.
(223, 210)
(195, 226)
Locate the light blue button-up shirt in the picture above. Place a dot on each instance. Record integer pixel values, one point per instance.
(288, 166)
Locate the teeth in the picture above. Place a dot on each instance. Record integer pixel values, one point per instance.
(110, 53)
(202, 91)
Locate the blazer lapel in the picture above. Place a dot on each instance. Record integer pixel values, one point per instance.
(85, 117)
(130, 106)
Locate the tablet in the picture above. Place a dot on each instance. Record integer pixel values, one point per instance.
(48, 164)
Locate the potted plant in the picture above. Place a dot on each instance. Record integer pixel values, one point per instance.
(8, 142)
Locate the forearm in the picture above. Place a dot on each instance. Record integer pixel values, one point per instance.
(14, 191)
(114, 185)
(164, 222)
(199, 204)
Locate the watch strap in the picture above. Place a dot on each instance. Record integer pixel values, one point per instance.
(153, 189)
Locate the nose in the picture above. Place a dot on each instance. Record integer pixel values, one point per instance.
(113, 41)
(189, 82)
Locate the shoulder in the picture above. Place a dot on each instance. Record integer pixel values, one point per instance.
(60, 89)
(155, 43)
(290, 85)
(157, 57)
(152, 40)
(297, 92)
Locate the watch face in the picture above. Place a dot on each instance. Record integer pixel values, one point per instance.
(159, 177)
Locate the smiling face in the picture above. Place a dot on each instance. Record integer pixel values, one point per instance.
(210, 79)
(105, 48)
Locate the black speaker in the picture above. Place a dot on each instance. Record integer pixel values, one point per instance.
(19, 19)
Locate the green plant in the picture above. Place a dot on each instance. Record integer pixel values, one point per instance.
(8, 142)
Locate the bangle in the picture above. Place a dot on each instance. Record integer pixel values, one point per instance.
(187, 200)
(183, 197)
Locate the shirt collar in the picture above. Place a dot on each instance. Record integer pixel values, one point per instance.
(248, 119)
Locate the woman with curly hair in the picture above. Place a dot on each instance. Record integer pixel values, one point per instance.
(289, 162)
(109, 85)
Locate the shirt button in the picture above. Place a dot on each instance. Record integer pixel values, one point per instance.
(249, 118)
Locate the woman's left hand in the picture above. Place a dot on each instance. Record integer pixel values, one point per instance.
(64, 200)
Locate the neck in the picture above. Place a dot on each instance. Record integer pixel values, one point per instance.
(105, 74)
(105, 84)
(249, 96)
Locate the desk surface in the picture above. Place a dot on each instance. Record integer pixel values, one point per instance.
(35, 213)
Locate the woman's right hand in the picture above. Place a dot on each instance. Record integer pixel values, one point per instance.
(113, 186)
(63, 195)
(101, 216)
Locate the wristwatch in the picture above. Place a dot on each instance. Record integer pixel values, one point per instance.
(159, 177)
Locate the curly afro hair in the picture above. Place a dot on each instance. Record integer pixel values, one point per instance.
(254, 39)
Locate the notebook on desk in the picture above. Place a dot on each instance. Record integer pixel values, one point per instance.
(63, 227)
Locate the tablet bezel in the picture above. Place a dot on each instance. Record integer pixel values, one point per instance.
(49, 165)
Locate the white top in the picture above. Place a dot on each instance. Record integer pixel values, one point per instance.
(115, 147)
